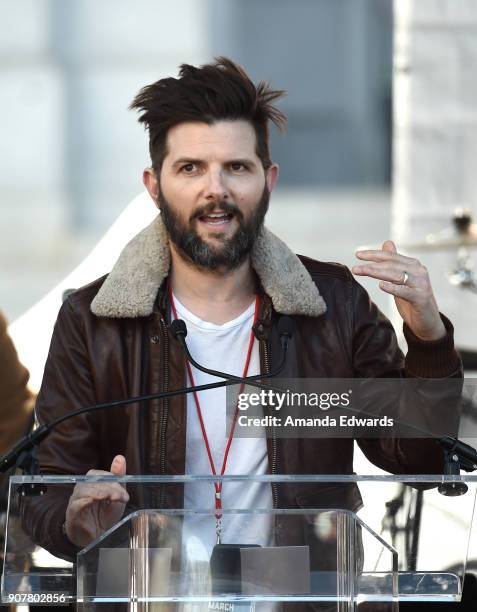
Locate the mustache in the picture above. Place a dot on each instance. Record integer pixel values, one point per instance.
(228, 208)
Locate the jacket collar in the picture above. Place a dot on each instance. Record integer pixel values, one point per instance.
(131, 288)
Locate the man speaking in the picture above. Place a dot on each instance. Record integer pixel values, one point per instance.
(208, 259)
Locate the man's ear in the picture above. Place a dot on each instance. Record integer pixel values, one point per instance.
(151, 183)
(271, 176)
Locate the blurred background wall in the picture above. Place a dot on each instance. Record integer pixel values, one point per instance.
(72, 154)
(435, 148)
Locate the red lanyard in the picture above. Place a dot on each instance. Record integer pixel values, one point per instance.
(218, 485)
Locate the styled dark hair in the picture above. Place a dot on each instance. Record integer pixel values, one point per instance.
(218, 91)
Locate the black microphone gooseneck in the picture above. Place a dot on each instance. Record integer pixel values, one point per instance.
(457, 454)
(20, 455)
(285, 331)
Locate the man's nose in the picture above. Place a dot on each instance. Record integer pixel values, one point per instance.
(216, 187)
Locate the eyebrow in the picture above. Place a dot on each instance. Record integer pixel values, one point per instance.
(186, 160)
(190, 160)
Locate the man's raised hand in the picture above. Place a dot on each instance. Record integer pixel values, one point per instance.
(408, 281)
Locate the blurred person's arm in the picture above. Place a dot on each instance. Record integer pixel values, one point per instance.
(16, 399)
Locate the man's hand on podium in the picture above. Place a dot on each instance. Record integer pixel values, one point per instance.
(95, 507)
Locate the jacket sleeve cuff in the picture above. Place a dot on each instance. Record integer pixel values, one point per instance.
(432, 358)
(60, 544)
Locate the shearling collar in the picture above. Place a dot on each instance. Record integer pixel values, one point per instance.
(131, 287)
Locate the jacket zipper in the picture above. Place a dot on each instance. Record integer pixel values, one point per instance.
(165, 408)
(144, 408)
(274, 438)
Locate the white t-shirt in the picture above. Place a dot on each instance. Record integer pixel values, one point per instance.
(222, 347)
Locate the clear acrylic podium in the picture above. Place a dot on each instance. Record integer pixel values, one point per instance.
(332, 540)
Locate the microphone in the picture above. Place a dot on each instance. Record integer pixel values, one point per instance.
(457, 454)
(20, 455)
(285, 331)
(464, 452)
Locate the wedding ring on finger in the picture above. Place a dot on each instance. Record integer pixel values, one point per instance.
(405, 278)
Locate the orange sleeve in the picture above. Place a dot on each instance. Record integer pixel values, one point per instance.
(16, 399)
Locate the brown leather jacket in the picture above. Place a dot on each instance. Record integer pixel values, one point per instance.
(112, 341)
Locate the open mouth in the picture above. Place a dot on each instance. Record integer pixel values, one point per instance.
(216, 219)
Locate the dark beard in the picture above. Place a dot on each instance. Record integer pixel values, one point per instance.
(232, 251)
